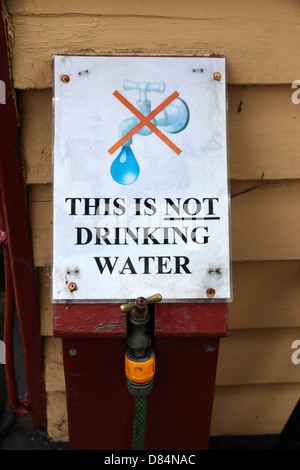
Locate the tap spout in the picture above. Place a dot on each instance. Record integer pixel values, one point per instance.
(125, 126)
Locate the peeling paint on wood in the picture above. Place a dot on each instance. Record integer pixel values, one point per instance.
(212, 28)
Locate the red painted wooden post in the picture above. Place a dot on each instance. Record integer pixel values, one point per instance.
(16, 225)
(100, 408)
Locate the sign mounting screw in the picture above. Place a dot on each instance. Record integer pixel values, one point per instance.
(72, 286)
(210, 292)
(65, 78)
(217, 76)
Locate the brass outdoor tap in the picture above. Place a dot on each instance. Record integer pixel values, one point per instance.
(139, 358)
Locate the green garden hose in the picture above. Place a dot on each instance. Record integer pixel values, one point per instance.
(139, 362)
(139, 423)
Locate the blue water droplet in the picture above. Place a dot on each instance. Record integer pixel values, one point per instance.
(125, 168)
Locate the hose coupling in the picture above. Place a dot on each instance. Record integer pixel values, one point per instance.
(139, 372)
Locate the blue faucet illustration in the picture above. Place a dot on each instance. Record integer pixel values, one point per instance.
(173, 119)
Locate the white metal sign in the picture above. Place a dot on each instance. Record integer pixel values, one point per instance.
(140, 191)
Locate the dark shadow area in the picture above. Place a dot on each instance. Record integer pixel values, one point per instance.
(256, 442)
(289, 438)
(16, 433)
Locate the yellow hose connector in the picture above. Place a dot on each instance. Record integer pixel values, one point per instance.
(139, 370)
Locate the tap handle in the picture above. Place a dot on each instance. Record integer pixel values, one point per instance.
(140, 302)
(143, 87)
(153, 299)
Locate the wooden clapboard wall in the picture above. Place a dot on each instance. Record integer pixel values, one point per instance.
(257, 383)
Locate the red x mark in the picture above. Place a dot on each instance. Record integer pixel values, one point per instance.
(145, 121)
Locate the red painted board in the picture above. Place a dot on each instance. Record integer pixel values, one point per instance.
(100, 408)
(106, 320)
(203, 319)
(81, 320)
